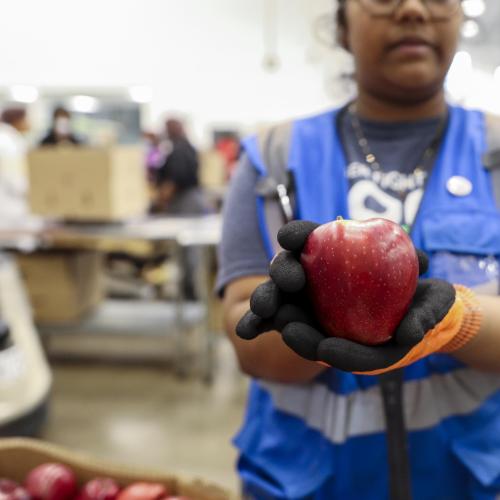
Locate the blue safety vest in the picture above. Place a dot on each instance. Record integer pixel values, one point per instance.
(326, 439)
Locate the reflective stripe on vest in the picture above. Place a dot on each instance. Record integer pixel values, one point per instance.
(426, 403)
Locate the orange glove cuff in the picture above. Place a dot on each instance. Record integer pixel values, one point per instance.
(471, 323)
(442, 334)
(457, 328)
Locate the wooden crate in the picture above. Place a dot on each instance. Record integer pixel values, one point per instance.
(18, 456)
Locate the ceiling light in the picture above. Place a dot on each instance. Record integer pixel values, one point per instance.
(470, 29)
(141, 94)
(24, 93)
(473, 8)
(84, 104)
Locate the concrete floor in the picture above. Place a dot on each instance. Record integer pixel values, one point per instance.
(145, 416)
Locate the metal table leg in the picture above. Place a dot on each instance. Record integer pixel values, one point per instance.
(179, 329)
(205, 290)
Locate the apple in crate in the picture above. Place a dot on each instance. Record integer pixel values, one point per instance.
(144, 491)
(99, 489)
(10, 490)
(361, 278)
(51, 481)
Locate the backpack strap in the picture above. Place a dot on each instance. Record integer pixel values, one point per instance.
(277, 187)
(491, 159)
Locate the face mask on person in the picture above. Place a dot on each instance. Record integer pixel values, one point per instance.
(62, 126)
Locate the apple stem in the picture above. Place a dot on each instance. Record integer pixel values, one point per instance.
(339, 218)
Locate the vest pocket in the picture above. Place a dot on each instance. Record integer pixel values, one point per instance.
(464, 248)
(475, 232)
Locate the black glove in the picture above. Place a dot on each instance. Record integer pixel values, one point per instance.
(282, 304)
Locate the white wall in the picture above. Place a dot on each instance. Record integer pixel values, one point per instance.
(201, 57)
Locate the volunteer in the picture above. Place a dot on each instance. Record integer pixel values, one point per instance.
(14, 125)
(60, 133)
(401, 152)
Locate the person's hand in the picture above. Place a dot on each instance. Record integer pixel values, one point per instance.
(432, 323)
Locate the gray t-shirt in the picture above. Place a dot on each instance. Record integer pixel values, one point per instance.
(393, 192)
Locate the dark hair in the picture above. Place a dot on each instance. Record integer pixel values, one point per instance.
(340, 16)
(175, 129)
(341, 23)
(13, 115)
(60, 111)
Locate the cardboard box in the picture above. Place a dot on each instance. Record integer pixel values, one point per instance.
(88, 184)
(62, 286)
(19, 456)
(212, 169)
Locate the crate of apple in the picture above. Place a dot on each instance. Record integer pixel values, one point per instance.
(10, 490)
(55, 481)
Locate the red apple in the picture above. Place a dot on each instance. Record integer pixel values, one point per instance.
(144, 491)
(99, 489)
(51, 481)
(10, 490)
(361, 278)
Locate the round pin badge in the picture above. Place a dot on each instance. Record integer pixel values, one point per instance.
(459, 186)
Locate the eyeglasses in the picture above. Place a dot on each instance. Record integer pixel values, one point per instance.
(438, 9)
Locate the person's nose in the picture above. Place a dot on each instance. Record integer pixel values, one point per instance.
(412, 11)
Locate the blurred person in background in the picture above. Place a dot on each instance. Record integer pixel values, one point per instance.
(320, 422)
(178, 190)
(229, 146)
(60, 132)
(154, 157)
(13, 165)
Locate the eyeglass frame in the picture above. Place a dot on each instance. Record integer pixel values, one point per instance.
(398, 3)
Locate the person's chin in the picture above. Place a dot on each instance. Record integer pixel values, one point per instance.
(416, 85)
